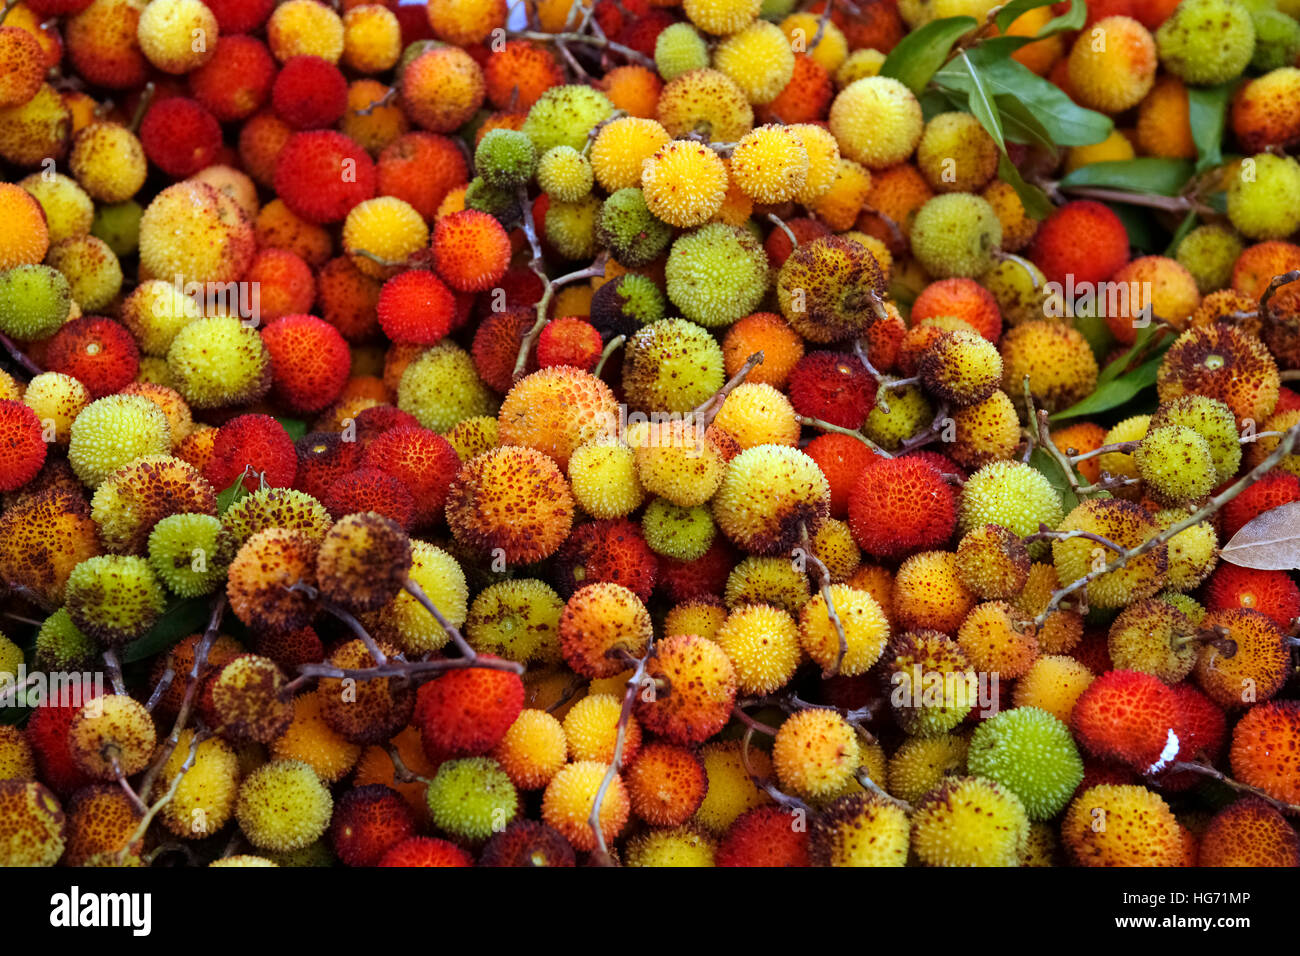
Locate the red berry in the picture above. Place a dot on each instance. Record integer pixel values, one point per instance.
(258, 441)
(468, 711)
(309, 93)
(310, 361)
(1130, 717)
(368, 822)
(832, 386)
(97, 352)
(764, 836)
(1272, 593)
(22, 445)
(426, 851)
(416, 307)
(420, 459)
(369, 489)
(180, 136)
(900, 506)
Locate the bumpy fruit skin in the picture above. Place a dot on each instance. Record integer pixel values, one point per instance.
(1221, 362)
(1249, 832)
(970, 821)
(1030, 752)
(1112, 66)
(716, 274)
(768, 494)
(283, 806)
(1263, 205)
(1128, 526)
(1139, 829)
(1255, 671)
(32, 824)
(815, 753)
(826, 289)
(1264, 750)
(1206, 41)
(899, 506)
(1128, 716)
(1175, 464)
(877, 121)
(511, 498)
(114, 598)
(956, 234)
(1011, 495)
(571, 796)
(109, 732)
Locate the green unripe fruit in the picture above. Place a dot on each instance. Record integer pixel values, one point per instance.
(571, 227)
(1209, 253)
(113, 431)
(716, 274)
(1010, 494)
(680, 48)
(1277, 36)
(505, 158)
(62, 646)
(956, 235)
(472, 798)
(1205, 42)
(633, 235)
(624, 305)
(909, 412)
(114, 598)
(1264, 197)
(680, 533)
(565, 174)
(1032, 754)
(442, 387)
(1175, 464)
(672, 366)
(1193, 552)
(564, 115)
(500, 204)
(1020, 289)
(34, 302)
(1191, 608)
(283, 806)
(1213, 421)
(155, 312)
(183, 552)
(118, 224)
(219, 361)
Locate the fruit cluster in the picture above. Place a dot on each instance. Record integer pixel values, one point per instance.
(648, 432)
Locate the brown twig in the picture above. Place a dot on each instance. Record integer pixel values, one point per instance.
(841, 430)
(18, 355)
(601, 854)
(1285, 446)
(613, 346)
(707, 410)
(1214, 773)
(824, 574)
(412, 587)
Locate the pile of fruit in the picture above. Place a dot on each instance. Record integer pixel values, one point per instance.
(649, 433)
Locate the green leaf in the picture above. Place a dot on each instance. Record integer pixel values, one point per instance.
(295, 427)
(935, 101)
(1021, 126)
(1143, 232)
(1114, 393)
(1045, 464)
(1035, 201)
(981, 102)
(1150, 174)
(914, 59)
(234, 493)
(1073, 19)
(1141, 341)
(1096, 332)
(1207, 109)
(184, 616)
(1067, 123)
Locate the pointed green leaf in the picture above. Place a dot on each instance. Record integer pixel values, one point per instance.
(1149, 174)
(1072, 19)
(981, 102)
(184, 616)
(1021, 126)
(230, 495)
(1066, 122)
(1141, 341)
(1207, 110)
(1114, 393)
(1046, 465)
(1035, 201)
(915, 58)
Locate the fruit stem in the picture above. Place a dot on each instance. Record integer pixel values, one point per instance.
(767, 786)
(114, 669)
(138, 836)
(122, 782)
(146, 97)
(1284, 447)
(841, 430)
(707, 410)
(739, 713)
(379, 657)
(201, 651)
(780, 223)
(1277, 282)
(609, 350)
(384, 100)
(599, 42)
(18, 355)
(401, 772)
(1195, 766)
(1044, 533)
(824, 574)
(1119, 448)
(601, 855)
(1174, 204)
(864, 778)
